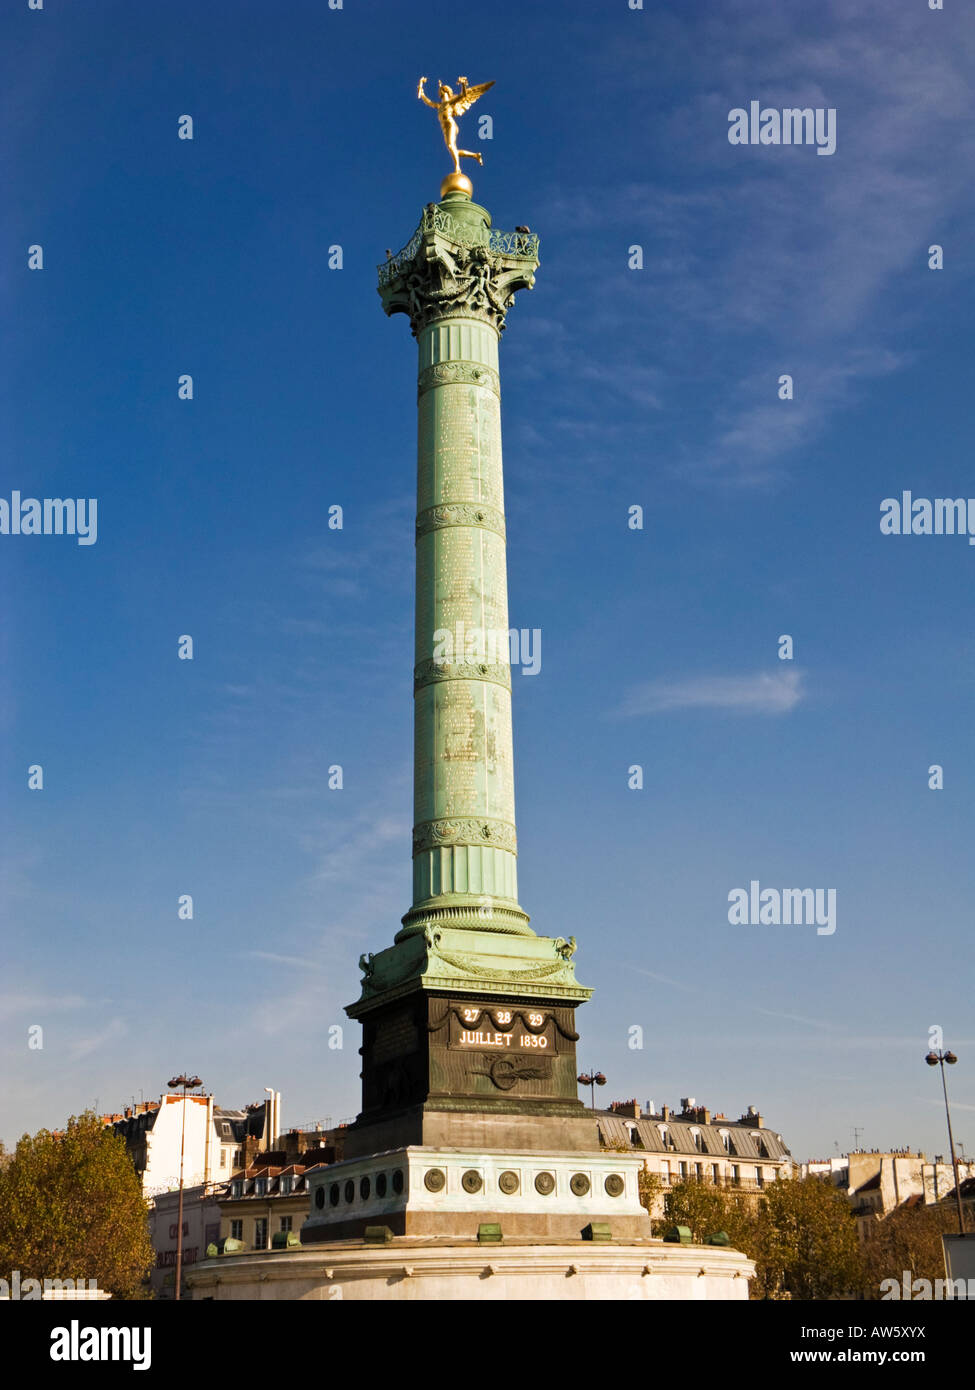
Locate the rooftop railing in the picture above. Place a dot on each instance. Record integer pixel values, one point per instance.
(521, 244)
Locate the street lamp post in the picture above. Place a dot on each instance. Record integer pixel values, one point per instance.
(935, 1059)
(592, 1079)
(188, 1083)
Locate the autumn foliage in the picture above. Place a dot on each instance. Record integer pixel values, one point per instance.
(71, 1207)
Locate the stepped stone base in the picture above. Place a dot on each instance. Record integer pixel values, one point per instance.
(429, 1270)
(437, 1124)
(451, 1192)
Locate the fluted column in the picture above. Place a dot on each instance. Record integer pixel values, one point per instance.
(456, 280)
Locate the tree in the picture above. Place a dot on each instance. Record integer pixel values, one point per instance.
(909, 1239)
(650, 1187)
(806, 1243)
(707, 1209)
(71, 1207)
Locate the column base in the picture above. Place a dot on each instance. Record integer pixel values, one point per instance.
(508, 918)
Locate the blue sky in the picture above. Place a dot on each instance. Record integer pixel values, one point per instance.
(655, 387)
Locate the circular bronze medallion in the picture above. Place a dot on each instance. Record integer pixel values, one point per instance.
(614, 1185)
(319, 1197)
(508, 1182)
(544, 1183)
(579, 1184)
(381, 1185)
(434, 1180)
(364, 1189)
(350, 1191)
(472, 1181)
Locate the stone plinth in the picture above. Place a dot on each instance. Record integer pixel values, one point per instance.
(473, 1023)
(428, 1270)
(451, 1192)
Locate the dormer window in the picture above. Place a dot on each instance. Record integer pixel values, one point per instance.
(285, 1185)
(260, 1187)
(236, 1189)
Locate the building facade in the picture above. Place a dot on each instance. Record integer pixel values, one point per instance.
(878, 1183)
(267, 1199)
(696, 1144)
(201, 1225)
(213, 1141)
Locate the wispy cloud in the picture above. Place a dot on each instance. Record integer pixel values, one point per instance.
(83, 1047)
(276, 959)
(39, 1006)
(759, 262)
(797, 1018)
(761, 693)
(663, 979)
(353, 891)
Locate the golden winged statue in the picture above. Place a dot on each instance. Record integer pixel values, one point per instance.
(450, 106)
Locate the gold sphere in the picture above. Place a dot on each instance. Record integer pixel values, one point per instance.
(457, 183)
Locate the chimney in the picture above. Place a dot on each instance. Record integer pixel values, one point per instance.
(665, 1112)
(630, 1108)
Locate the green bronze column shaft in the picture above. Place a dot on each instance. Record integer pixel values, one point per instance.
(456, 280)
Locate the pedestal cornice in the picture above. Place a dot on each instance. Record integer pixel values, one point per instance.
(472, 961)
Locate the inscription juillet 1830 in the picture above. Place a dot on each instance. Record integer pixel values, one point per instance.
(515, 1030)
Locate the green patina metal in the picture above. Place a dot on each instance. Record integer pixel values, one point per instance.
(456, 279)
(465, 931)
(597, 1230)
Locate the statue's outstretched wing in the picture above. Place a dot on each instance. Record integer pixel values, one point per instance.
(465, 100)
